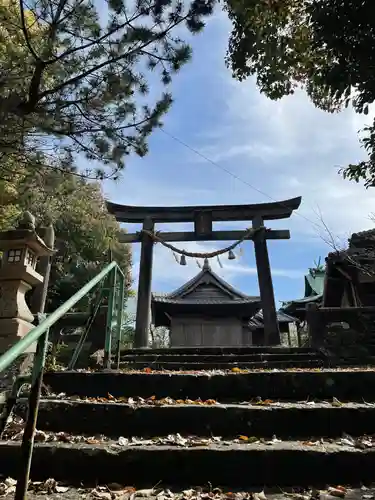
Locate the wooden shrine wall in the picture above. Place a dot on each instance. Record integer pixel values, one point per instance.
(188, 331)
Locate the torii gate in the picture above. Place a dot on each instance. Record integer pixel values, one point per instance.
(203, 218)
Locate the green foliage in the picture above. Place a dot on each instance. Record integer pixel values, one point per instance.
(323, 46)
(80, 77)
(128, 330)
(159, 337)
(85, 231)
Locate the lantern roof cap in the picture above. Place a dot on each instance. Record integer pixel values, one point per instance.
(25, 235)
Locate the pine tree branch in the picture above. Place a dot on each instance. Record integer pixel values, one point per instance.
(108, 62)
(94, 130)
(26, 33)
(95, 41)
(156, 56)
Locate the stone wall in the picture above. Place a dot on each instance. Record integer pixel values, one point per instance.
(351, 338)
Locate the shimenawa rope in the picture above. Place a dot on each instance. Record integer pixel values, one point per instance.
(209, 255)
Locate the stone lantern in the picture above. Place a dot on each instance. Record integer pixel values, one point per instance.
(21, 249)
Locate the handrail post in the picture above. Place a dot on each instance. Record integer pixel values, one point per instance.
(87, 328)
(108, 334)
(120, 319)
(32, 416)
(20, 347)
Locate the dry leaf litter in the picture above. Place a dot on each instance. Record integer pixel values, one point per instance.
(115, 491)
(15, 426)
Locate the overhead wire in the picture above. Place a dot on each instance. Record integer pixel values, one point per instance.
(237, 177)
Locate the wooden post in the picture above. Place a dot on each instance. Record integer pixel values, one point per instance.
(39, 295)
(142, 321)
(316, 326)
(271, 327)
(289, 338)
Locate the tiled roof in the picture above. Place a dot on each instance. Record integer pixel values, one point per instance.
(199, 277)
(182, 295)
(364, 253)
(369, 234)
(165, 298)
(257, 320)
(293, 304)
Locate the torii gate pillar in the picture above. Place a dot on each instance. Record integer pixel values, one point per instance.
(142, 322)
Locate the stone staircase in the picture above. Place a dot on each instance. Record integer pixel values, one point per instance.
(222, 358)
(236, 427)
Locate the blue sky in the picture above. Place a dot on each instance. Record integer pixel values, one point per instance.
(285, 149)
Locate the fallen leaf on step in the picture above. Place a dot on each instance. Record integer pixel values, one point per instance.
(131, 402)
(165, 493)
(336, 402)
(347, 442)
(298, 496)
(342, 488)
(243, 438)
(61, 489)
(188, 493)
(274, 440)
(363, 443)
(260, 496)
(145, 493)
(314, 493)
(178, 439)
(103, 495)
(265, 402)
(40, 436)
(123, 441)
(235, 369)
(92, 441)
(337, 492)
(9, 481)
(50, 485)
(115, 487)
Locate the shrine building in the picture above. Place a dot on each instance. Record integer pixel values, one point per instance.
(206, 311)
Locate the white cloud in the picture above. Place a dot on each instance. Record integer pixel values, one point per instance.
(298, 149)
(285, 148)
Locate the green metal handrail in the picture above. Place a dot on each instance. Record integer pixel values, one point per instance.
(116, 280)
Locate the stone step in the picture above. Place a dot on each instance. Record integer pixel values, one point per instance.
(282, 464)
(219, 350)
(346, 385)
(285, 420)
(38, 491)
(220, 358)
(201, 366)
